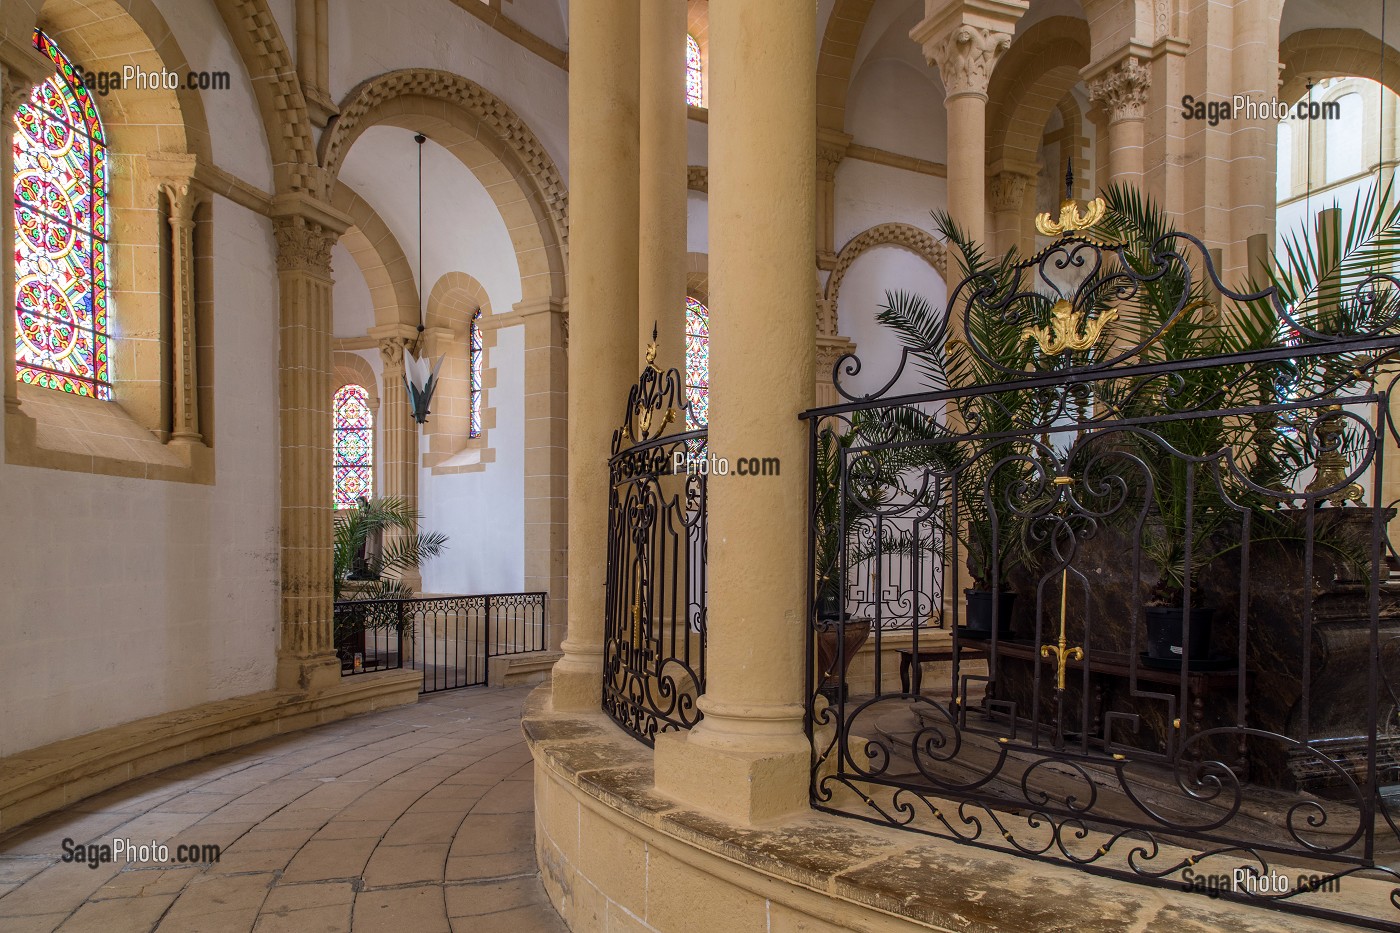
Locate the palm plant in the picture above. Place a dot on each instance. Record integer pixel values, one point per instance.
(406, 549)
(1194, 514)
(988, 473)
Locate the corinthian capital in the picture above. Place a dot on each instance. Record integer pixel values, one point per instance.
(1122, 89)
(1006, 190)
(391, 351)
(966, 57)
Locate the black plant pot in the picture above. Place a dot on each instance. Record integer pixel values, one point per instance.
(1166, 630)
(979, 612)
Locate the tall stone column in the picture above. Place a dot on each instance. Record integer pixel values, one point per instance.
(748, 758)
(305, 230)
(546, 458)
(1253, 140)
(1007, 192)
(965, 41)
(399, 473)
(831, 151)
(662, 220)
(183, 197)
(603, 209)
(1120, 86)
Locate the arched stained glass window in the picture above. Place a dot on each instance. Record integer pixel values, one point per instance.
(476, 355)
(353, 454)
(61, 328)
(697, 363)
(694, 74)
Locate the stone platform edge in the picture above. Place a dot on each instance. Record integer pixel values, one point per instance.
(41, 780)
(616, 855)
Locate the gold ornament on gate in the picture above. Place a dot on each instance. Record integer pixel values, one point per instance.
(1070, 217)
(1068, 329)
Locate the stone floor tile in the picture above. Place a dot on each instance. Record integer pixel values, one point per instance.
(420, 909)
(406, 864)
(440, 788)
(118, 915)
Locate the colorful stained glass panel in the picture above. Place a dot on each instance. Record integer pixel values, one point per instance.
(476, 351)
(694, 74)
(352, 446)
(60, 165)
(697, 363)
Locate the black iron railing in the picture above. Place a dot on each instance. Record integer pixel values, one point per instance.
(1172, 644)
(654, 637)
(451, 639)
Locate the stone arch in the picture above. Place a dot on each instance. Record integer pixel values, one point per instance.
(836, 59)
(906, 236)
(281, 102)
(89, 33)
(453, 302)
(380, 258)
(492, 142)
(1030, 82)
(1334, 53)
(353, 369)
(1115, 24)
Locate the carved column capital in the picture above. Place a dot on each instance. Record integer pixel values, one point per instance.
(1006, 190)
(391, 351)
(831, 149)
(965, 58)
(303, 246)
(1121, 89)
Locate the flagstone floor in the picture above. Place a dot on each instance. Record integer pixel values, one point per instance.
(418, 818)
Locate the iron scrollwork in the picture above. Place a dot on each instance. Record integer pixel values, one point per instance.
(654, 648)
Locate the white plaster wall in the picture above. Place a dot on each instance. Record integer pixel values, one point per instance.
(354, 308)
(483, 514)
(235, 128)
(697, 235)
(369, 37)
(868, 194)
(126, 598)
(863, 290)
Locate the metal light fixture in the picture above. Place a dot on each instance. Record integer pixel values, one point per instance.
(417, 378)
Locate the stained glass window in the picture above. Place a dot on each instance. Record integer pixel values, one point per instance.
(697, 363)
(694, 74)
(476, 375)
(61, 336)
(354, 446)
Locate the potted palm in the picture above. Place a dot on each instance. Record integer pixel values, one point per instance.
(989, 474)
(365, 574)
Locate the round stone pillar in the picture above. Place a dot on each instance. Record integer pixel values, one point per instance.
(748, 758)
(603, 277)
(662, 219)
(1121, 87)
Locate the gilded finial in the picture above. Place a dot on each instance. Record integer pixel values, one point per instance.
(1068, 329)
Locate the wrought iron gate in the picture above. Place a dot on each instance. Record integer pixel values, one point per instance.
(654, 648)
(1156, 576)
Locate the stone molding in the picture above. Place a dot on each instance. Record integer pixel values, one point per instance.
(42, 780)
(1122, 89)
(538, 167)
(919, 242)
(286, 119)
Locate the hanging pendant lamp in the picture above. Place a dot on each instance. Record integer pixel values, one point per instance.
(420, 381)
